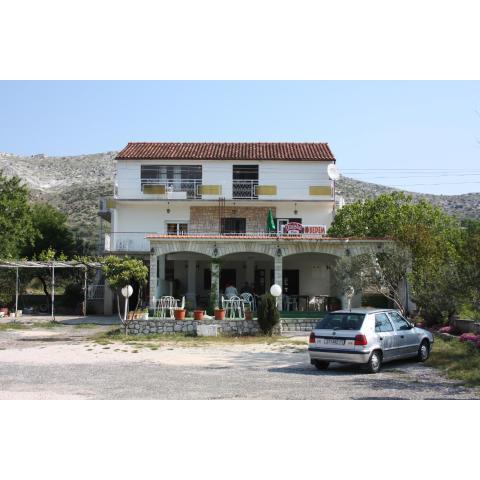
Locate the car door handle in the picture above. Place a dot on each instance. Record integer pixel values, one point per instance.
(402, 336)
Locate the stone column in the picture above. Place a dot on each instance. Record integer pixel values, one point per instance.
(161, 284)
(191, 294)
(278, 277)
(215, 284)
(153, 279)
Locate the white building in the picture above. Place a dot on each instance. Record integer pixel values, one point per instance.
(197, 213)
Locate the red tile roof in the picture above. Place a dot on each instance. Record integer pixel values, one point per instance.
(226, 151)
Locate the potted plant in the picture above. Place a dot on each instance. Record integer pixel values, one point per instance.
(179, 313)
(198, 315)
(248, 313)
(145, 314)
(219, 313)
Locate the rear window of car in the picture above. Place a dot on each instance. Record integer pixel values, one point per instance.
(341, 321)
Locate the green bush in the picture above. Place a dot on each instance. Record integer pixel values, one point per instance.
(268, 315)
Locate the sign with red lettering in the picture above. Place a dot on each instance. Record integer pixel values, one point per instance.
(315, 229)
(293, 228)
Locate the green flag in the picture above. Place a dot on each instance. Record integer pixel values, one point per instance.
(270, 221)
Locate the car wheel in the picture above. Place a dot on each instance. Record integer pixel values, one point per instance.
(423, 351)
(375, 362)
(321, 365)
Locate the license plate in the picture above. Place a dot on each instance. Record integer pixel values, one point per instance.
(333, 341)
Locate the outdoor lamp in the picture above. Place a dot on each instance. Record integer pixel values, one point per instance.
(276, 290)
(279, 252)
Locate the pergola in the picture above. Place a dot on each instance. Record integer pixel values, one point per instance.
(52, 265)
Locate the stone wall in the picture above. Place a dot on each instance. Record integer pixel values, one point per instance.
(467, 326)
(225, 327)
(205, 219)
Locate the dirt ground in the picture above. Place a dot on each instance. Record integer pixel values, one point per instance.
(64, 362)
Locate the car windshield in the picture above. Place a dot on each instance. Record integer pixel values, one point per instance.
(341, 321)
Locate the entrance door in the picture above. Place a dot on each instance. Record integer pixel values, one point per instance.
(291, 281)
(228, 275)
(260, 281)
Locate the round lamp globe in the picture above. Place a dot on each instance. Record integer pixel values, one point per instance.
(127, 291)
(276, 290)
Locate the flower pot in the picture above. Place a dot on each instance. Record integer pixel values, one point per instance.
(248, 315)
(219, 314)
(198, 315)
(179, 314)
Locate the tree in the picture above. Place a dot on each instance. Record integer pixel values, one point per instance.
(431, 236)
(380, 271)
(120, 272)
(53, 233)
(16, 227)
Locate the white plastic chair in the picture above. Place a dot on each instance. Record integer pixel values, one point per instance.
(248, 299)
(167, 304)
(236, 309)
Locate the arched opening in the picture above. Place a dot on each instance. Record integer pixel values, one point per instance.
(247, 271)
(308, 282)
(184, 274)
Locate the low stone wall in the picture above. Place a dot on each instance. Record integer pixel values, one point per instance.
(467, 326)
(225, 327)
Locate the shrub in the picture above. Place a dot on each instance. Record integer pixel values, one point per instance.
(469, 337)
(448, 329)
(268, 315)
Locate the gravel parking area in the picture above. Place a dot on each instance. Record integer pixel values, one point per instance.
(62, 363)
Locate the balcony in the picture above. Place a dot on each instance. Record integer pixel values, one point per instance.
(127, 242)
(173, 189)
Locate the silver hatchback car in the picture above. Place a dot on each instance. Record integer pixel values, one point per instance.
(367, 336)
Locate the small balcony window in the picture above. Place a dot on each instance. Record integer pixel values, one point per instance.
(177, 228)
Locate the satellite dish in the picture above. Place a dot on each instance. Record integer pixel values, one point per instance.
(333, 173)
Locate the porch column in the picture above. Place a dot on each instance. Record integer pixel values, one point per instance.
(153, 279)
(278, 277)
(191, 294)
(215, 285)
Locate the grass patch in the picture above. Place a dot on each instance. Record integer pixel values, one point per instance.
(85, 325)
(459, 361)
(154, 341)
(14, 326)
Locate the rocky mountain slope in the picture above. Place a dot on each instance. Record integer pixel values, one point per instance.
(74, 185)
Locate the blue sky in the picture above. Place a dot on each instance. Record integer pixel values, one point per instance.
(370, 126)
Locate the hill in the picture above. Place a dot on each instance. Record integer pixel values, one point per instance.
(74, 184)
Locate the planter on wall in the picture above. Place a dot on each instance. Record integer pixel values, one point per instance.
(179, 314)
(219, 314)
(198, 315)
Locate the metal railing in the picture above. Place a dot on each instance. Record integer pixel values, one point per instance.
(96, 292)
(127, 242)
(244, 189)
(177, 189)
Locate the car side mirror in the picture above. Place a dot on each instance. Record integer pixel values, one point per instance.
(411, 325)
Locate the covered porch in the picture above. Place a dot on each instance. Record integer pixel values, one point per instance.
(201, 268)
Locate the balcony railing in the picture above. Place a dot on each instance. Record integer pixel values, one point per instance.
(244, 189)
(127, 242)
(175, 189)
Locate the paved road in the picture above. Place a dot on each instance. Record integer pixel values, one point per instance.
(64, 365)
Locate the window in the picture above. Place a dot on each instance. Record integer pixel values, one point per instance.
(341, 321)
(382, 323)
(234, 225)
(177, 228)
(245, 178)
(399, 322)
(178, 178)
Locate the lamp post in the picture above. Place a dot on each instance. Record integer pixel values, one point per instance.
(349, 292)
(127, 291)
